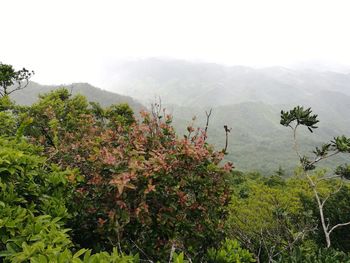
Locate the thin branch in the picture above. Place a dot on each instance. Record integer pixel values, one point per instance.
(52, 155)
(324, 157)
(227, 131)
(325, 200)
(300, 236)
(328, 178)
(171, 252)
(320, 208)
(207, 123)
(296, 146)
(259, 252)
(143, 252)
(48, 137)
(20, 87)
(264, 243)
(335, 192)
(338, 225)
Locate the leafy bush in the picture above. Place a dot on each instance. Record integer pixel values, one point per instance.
(318, 256)
(33, 199)
(8, 117)
(66, 255)
(144, 187)
(229, 252)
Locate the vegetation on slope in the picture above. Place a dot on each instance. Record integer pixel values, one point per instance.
(84, 183)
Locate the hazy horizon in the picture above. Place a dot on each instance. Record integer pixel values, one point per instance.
(80, 41)
(107, 80)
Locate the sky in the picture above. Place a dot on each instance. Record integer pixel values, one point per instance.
(66, 41)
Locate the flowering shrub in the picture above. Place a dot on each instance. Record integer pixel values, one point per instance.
(143, 186)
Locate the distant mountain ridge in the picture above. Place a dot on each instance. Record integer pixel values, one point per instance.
(246, 99)
(186, 83)
(30, 94)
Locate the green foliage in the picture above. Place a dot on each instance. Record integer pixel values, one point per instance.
(272, 216)
(319, 256)
(58, 113)
(8, 120)
(120, 114)
(229, 252)
(33, 200)
(307, 164)
(300, 116)
(267, 216)
(54, 114)
(33, 182)
(66, 255)
(8, 117)
(25, 236)
(6, 103)
(343, 171)
(179, 258)
(341, 144)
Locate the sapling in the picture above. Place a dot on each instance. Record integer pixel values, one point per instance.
(303, 117)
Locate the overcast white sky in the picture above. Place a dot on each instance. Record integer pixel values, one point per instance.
(77, 40)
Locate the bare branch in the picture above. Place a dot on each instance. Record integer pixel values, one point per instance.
(338, 225)
(171, 252)
(335, 192)
(328, 178)
(207, 123)
(325, 200)
(143, 252)
(296, 146)
(20, 87)
(323, 157)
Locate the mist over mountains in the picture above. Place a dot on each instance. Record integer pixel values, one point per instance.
(246, 99)
(205, 84)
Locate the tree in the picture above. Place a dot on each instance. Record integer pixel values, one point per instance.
(341, 144)
(12, 80)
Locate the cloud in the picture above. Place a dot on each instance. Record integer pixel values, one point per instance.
(67, 41)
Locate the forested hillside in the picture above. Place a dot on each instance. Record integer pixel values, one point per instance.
(247, 100)
(196, 84)
(80, 182)
(105, 98)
